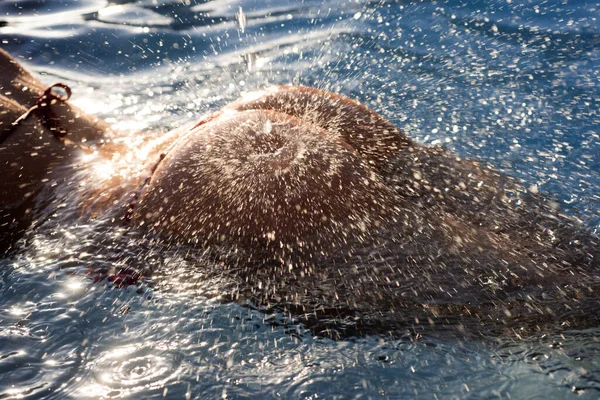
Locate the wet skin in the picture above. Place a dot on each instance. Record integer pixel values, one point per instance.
(333, 214)
(258, 173)
(31, 160)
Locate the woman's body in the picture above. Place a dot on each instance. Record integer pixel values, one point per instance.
(331, 210)
(29, 154)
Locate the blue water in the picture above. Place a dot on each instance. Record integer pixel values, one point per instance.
(513, 83)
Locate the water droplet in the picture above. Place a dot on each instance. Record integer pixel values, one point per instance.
(242, 21)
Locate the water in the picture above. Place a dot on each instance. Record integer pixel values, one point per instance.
(511, 83)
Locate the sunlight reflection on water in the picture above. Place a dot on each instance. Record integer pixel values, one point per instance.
(513, 86)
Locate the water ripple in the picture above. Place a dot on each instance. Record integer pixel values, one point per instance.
(132, 370)
(38, 355)
(496, 80)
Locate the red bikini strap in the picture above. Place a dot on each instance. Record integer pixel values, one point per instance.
(57, 93)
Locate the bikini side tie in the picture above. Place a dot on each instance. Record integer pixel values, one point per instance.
(57, 93)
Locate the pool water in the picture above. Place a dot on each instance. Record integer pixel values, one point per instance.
(512, 83)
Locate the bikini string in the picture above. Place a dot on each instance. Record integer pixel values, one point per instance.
(42, 109)
(137, 194)
(51, 121)
(57, 93)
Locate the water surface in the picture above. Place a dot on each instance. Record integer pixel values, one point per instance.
(513, 83)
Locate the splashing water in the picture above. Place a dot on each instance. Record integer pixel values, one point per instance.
(508, 83)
